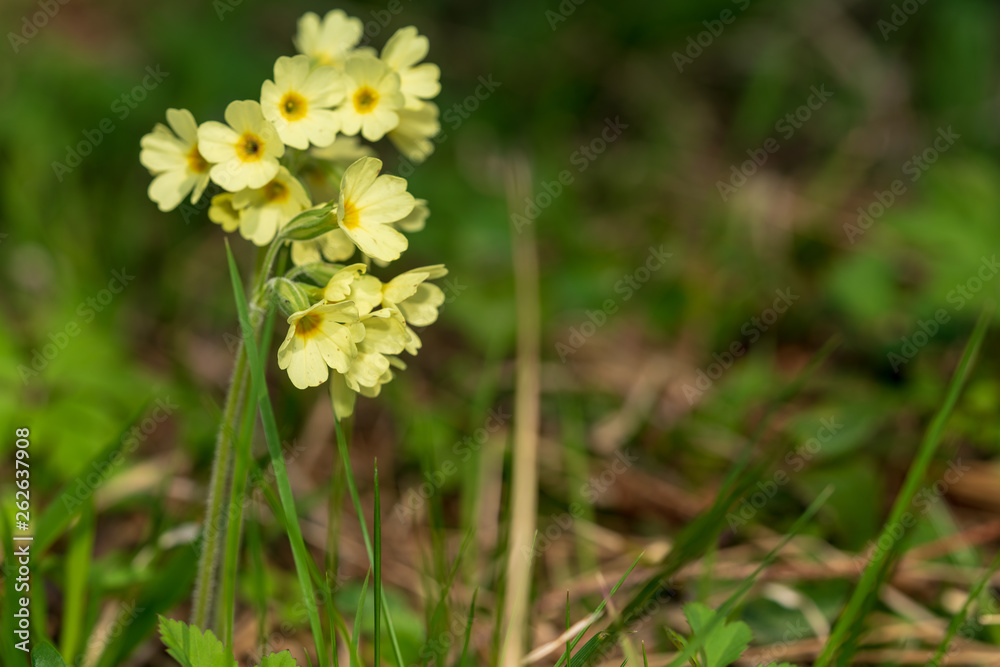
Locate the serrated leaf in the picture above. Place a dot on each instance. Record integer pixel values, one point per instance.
(283, 659)
(46, 655)
(191, 648)
(726, 642)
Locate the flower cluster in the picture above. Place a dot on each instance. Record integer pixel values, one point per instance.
(294, 173)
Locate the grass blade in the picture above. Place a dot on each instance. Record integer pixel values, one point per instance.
(703, 532)
(78, 560)
(694, 645)
(853, 614)
(378, 572)
(468, 628)
(358, 618)
(353, 491)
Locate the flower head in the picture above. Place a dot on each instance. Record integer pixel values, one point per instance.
(415, 298)
(246, 150)
(416, 128)
(223, 212)
(265, 210)
(417, 219)
(172, 156)
(373, 97)
(369, 204)
(322, 337)
(385, 336)
(298, 102)
(402, 52)
(334, 246)
(330, 41)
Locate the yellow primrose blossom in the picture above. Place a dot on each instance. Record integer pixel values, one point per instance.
(415, 298)
(265, 210)
(417, 219)
(415, 131)
(223, 212)
(334, 246)
(298, 102)
(402, 52)
(322, 337)
(172, 156)
(385, 336)
(330, 41)
(246, 150)
(373, 97)
(352, 283)
(369, 204)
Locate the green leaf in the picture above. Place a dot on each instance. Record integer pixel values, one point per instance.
(191, 648)
(725, 643)
(46, 655)
(283, 659)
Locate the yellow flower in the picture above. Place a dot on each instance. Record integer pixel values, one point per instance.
(369, 204)
(344, 150)
(402, 53)
(334, 246)
(172, 156)
(223, 212)
(352, 283)
(246, 150)
(330, 41)
(322, 337)
(263, 211)
(417, 219)
(414, 297)
(416, 128)
(298, 102)
(385, 335)
(373, 98)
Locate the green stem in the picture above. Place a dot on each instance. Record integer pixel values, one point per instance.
(216, 525)
(214, 528)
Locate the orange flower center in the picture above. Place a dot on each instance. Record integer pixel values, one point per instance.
(293, 106)
(196, 162)
(308, 326)
(250, 147)
(351, 216)
(365, 99)
(276, 192)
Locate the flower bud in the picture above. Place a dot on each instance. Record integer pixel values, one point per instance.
(310, 224)
(290, 296)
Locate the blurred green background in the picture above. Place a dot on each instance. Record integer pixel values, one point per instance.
(693, 106)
